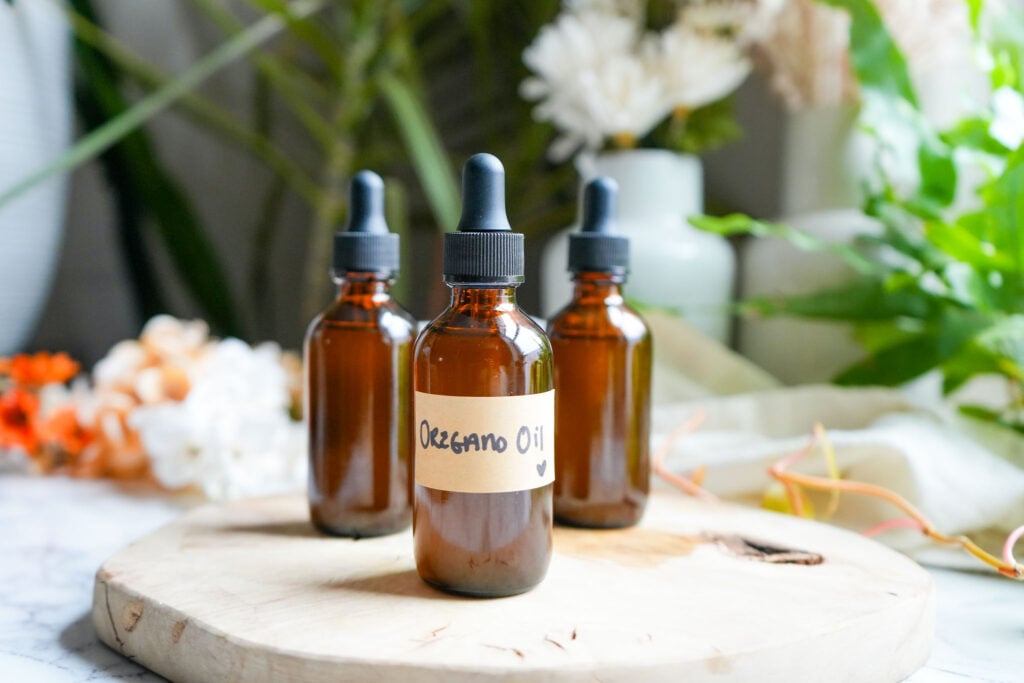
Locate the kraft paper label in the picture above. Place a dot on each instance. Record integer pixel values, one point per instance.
(486, 444)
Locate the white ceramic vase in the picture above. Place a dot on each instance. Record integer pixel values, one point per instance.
(35, 127)
(822, 158)
(673, 265)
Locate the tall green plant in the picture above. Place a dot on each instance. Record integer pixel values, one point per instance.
(362, 81)
(943, 286)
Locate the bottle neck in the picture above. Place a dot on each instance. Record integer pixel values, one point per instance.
(484, 297)
(354, 285)
(603, 288)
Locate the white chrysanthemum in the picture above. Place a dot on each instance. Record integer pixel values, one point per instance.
(698, 68)
(744, 20)
(591, 82)
(1008, 125)
(232, 435)
(576, 43)
(625, 96)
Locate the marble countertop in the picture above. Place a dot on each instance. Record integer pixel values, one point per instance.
(55, 532)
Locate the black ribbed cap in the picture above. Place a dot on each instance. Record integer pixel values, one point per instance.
(484, 250)
(366, 245)
(598, 247)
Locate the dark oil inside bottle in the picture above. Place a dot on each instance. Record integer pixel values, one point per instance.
(602, 361)
(483, 544)
(359, 398)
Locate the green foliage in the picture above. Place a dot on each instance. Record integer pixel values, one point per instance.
(146, 191)
(349, 77)
(702, 130)
(942, 287)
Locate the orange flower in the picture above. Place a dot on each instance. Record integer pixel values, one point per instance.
(62, 429)
(18, 412)
(39, 368)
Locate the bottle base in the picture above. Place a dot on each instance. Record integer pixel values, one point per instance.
(599, 516)
(369, 525)
(481, 594)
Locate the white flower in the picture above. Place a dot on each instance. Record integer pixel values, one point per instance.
(743, 20)
(592, 82)
(623, 96)
(170, 338)
(598, 76)
(698, 68)
(1008, 125)
(575, 43)
(232, 435)
(120, 366)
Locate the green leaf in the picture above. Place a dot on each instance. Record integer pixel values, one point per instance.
(739, 224)
(961, 245)
(1005, 341)
(891, 106)
(309, 32)
(975, 9)
(702, 130)
(912, 358)
(1004, 204)
(987, 415)
(863, 300)
(973, 133)
(936, 166)
(880, 66)
(877, 335)
(972, 360)
(425, 149)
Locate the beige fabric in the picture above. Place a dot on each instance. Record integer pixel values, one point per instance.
(960, 474)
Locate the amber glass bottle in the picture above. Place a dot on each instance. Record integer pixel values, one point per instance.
(484, 412)
(602, 354)
(358, 382)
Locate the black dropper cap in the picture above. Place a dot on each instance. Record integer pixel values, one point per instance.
(484, 250)
(598, 247)
(366, 245)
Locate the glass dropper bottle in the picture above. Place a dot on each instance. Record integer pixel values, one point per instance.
(359, 381)
(484, 412)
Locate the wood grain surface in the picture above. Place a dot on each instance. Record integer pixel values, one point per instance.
(248, 591)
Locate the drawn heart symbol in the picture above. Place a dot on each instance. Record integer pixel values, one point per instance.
(541, 468)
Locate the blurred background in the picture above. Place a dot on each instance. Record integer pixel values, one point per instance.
(116, 264)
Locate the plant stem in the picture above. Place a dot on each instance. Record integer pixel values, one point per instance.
(118, 127)
(201, 109)
(357, 28)
(284, 77)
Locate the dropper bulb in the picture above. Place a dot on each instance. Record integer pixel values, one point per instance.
(483, 195)
(599, 197)
(366, 204)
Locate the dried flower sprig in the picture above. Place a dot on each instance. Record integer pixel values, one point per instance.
(915, 519)
(794, 482)
(806, 50)
(690, 484)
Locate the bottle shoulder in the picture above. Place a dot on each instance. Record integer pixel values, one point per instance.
(511, 328)
(381, 315)
(599, 319)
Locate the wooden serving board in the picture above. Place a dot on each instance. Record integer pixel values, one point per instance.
(248, 591)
